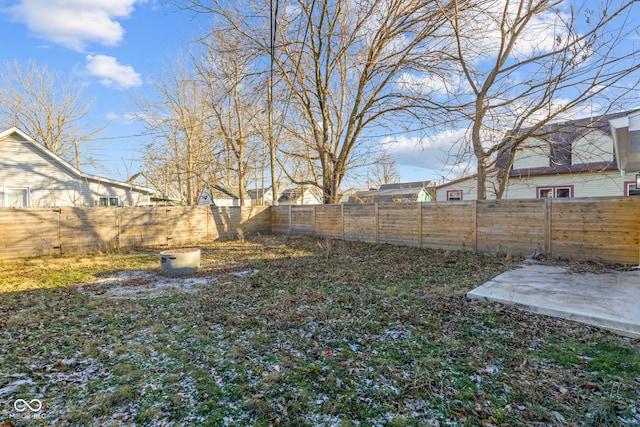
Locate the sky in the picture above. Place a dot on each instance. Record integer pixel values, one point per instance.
(114, 47)
(117, 47)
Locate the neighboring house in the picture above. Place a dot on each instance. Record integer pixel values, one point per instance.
(217, 195)
(261, 196)
(164, 196)
(575, 159)
(300, 196)
(403, 192)
(33, 176)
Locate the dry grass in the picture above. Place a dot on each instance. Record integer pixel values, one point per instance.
(319, 332)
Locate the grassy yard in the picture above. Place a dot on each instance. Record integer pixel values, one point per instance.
(297, 331)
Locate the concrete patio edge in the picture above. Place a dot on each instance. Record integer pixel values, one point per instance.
(608, 300)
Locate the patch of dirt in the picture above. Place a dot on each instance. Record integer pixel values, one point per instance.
(144, 284)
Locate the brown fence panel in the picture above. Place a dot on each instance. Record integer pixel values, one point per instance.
(514, 226)
(603, 229)
(360, 223)
(224, 222)
(144, 226)
(280, 219)
(302, 220)
(256, 219)
(29, 232)
(83, 229)
(399, 223)
(186, 225)
(448, 225)
(329, 221)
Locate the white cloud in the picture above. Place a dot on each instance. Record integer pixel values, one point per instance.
(111, 73)
(444, 151)
(74, 23)
(483, 32)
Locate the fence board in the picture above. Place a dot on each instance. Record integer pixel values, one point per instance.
(517, 226)
(398, 223)
(302, 218)
(142, 226)
(448, 225)
(604, 229)
(360, 223)
(28, 232)
(280, 219)
(84, 229)
(328, 221)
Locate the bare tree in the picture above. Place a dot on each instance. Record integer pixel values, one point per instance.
(235, 102)
(523, 64)
(47, 106)
(383, 171)
(178, 118)
(341, 64)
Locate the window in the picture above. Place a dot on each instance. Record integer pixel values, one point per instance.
(454, 195)
(562, 192)
(15, 197)
(630, 189)
(108, 201)
(545, 193)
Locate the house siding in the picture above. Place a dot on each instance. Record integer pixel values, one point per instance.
(593, 147)
(51, 184)
(533, 153)
(600, 184)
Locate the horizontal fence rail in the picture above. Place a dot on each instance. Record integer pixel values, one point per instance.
(35, 231)
(600, 229)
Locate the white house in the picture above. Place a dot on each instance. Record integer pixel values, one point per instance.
(33, 176)
(300, 196)
(217, 195)
(573, 159)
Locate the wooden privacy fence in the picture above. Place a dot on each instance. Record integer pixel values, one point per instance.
(603, 229)
(33, 231)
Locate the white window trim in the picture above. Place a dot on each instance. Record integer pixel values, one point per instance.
(5, 196)
(108, 199)
(449, 192)
(554, 190)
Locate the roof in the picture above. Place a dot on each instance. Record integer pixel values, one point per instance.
(23, 137)
(407, 185)
(258, 193)
(220, 192)
(561, 136)
(387, 195)
(294, 194)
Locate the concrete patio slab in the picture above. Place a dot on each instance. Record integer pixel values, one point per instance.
(608, 300)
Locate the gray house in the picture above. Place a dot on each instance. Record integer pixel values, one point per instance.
(33, 176)
(403, 192)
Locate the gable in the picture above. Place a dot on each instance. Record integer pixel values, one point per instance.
(23, 163)
(593, 147)
(48, 180)
(533, 153)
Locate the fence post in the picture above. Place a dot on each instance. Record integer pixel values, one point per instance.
(420, 224)
(548, 249)
(118, 227)
(342, 218)
(377, 222)
(289, 232)
(474, 225)
(313, 218)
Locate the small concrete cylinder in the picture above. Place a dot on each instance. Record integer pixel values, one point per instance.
(180, 262)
